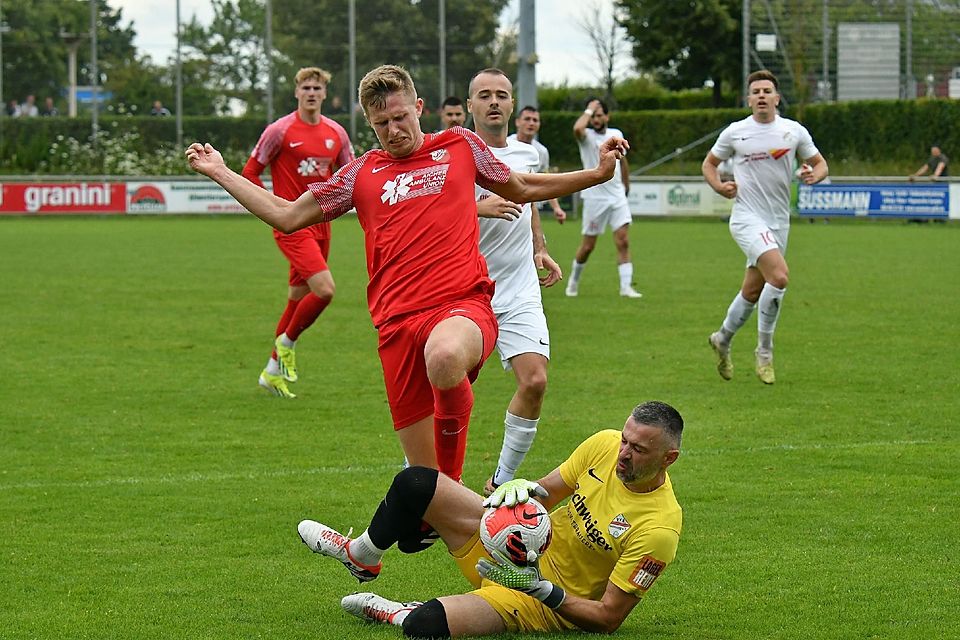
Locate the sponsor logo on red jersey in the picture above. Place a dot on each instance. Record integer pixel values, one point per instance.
(413, 184)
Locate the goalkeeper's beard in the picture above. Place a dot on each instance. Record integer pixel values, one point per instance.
(630, 474)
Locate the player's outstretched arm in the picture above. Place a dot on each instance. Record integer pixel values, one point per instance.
(537, 187)
(280, 214)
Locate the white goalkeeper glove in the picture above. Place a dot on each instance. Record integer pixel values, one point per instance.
(525, 579)
(514, 492)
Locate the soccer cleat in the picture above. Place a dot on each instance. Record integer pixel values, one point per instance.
(765, 367)
(329, 542)
(630, 292)
(724, 364)
(573, 289)
(287, 359)
(373, 608)
(275, 384)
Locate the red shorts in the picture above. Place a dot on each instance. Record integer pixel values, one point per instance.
(306, 251)
(402, 341)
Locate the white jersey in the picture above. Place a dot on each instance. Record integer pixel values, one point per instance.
(611, 190)
(542, 151)
(507, 245)
(763, 160)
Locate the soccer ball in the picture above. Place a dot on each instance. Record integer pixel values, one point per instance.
(513, 531)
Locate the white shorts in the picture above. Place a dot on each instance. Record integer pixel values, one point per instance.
(597, 214)
(523, 329)
(755, 238)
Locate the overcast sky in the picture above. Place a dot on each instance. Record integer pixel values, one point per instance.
(564, 50)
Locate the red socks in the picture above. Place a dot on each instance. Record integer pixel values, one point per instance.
(307, 311)
(451, 418)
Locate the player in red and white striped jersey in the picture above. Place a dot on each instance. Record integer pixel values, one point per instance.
(429, 294)
(301, 147)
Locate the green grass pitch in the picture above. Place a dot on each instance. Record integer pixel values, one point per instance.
(149, 488)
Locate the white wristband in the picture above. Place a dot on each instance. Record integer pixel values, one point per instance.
(588, 112)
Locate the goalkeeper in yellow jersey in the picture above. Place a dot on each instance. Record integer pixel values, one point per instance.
(611, 540)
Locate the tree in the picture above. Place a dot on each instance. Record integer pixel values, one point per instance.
(388, 31)
(230, 54)
(609, 46)
(685, 42)
(35, 53)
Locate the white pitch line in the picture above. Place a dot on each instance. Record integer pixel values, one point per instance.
(197, 477)
(255, 475)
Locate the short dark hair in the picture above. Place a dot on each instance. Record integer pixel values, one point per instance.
(660, 414)
(603, 105)
(763, 74)
(529, 107)
(452, 101)
(489, 70)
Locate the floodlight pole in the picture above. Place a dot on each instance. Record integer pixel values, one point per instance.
(527, 55)
(268, 45)
(745, 55)
(352, 28)
(442, 28)
(94, 75)
(179, 99)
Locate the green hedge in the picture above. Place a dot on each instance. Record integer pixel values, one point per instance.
(870, 130)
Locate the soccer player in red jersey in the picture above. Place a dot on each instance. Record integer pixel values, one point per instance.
(429, 293)
(300, 148)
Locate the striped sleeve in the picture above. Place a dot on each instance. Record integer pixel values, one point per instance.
(335, 196)
(489, 169)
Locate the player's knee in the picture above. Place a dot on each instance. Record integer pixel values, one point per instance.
(429, 620)
(534, 384)
(779, 279)
(324, 291)
(414, 487)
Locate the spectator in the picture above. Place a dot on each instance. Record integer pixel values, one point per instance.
(29, 108)
(49, 109)
(452, 113)
(158, 109)
(936, 164)
(13, 109)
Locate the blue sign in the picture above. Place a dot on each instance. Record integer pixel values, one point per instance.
(874, 199)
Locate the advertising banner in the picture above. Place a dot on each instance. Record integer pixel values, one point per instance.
(62, 197)
(644, 199)
(875, 199)
(180, 197)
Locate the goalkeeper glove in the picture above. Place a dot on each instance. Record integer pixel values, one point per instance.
(525, 579)
(514, 492)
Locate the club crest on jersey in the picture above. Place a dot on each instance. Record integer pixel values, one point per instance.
(618, 526)
(438, 155)
(648, 569)
(413, 184)
(329, 142)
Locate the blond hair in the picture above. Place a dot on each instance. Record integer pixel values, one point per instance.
(307, 73)
(379, 83)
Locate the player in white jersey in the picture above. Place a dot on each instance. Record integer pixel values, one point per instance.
(514, 250)
(604, 204)
(763, 148)
(528, 124)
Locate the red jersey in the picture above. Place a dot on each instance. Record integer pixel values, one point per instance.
(299, 153)
(419, 218)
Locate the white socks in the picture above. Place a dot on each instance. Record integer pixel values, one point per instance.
(273, 367)
(576, 270)
(737, 315)
(626, 274)
(363, 550)
(767, 315)
(287, 342)
(518, 435)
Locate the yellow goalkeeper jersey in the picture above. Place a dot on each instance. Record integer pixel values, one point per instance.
(607, 532)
